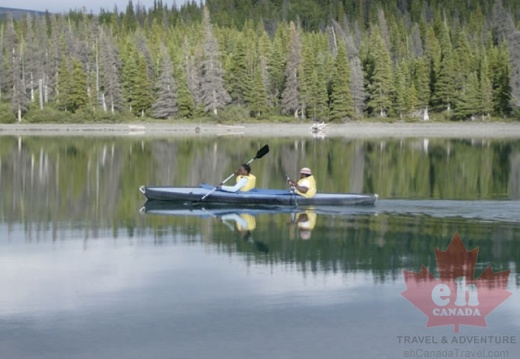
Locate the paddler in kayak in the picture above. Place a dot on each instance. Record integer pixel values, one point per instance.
(306, 185)
(245, 180)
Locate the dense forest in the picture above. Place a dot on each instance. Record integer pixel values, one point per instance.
(278, 60)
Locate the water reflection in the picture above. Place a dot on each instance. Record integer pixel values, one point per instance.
(305, 222)
(80, 264)
(384, 239)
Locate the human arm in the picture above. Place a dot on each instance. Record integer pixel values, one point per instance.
(303, 186)
(241, 183)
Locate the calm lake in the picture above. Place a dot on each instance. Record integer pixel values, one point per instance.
(88, 271)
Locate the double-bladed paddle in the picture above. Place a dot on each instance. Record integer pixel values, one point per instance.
(261, 153)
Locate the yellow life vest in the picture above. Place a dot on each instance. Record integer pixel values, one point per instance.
(311, 191)
(251, 182)
(250, 220)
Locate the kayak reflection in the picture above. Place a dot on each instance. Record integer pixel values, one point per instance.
(240, 219)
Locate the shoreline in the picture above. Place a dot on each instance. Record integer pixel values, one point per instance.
(347, 130)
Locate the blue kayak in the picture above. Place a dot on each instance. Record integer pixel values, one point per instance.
(255, 196)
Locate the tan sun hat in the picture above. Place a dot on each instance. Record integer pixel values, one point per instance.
(306, 171)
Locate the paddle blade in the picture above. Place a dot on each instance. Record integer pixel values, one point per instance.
(262, 152)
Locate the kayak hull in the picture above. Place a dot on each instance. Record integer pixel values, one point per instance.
(255, 196)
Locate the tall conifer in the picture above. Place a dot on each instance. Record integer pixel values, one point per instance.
(342, 105)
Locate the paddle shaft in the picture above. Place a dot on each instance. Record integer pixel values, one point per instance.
(293, 190)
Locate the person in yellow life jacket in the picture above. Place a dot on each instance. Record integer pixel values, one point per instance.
(306, 185)
(245, 180)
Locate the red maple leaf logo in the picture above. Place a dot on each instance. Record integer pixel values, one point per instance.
(456, 297)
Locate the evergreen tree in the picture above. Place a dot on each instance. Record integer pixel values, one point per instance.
(432, 51)
(192, 69)
(184, 100)
(499, 70)
(257, 98)
(264, 54)
(77, 97)
(444, 94)
(291, 93)
(400, 95)
(514, 50)
(213, 93)
(468, 102)
(111, 96)
(143, 98)
(15, 84)
(421, 83)
(486, 89)
(129, 73)
(342, 105)
(64, 87)
(165, 105)
(32, 52)
(357, 87)
(411, 101)
(313, 77)
(379, 76)
(277, 64)
(237, 74)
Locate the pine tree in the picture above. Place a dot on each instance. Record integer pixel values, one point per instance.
(143, 98)
(78, 96)
(411, 100)
(432, 50)
(213, 93)
(64, 87)
(486, 89)
(313, 77)
(192, 69)
(342, 104)
(165, 105)
(444, 94)
(421, 82)
(129, 74)
(468, 102)
(400, 94)
(500, 80)
(307, 77)
(15, 83)
(185, 101)
(237, 74)
(291, 93)
(264, 55)
(257, 98)
(111, 96)
(379, 76)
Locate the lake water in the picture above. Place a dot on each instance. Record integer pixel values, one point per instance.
(88, 271)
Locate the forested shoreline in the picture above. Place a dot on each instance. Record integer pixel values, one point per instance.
(272, 60)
